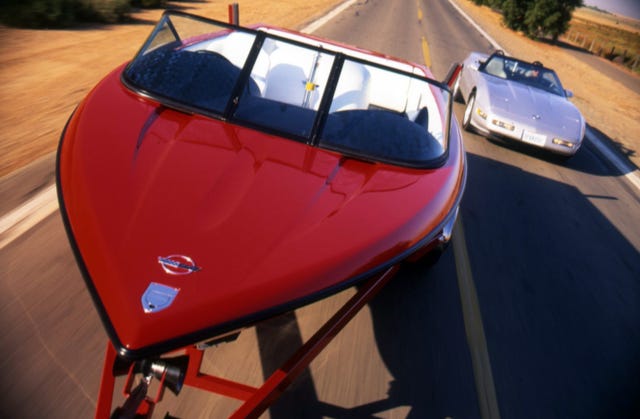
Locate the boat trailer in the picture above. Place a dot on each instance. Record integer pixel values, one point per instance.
(182, 367)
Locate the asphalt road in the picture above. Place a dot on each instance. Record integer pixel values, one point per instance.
(554, 256)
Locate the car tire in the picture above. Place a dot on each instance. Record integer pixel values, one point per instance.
(468, 111)
(457, 97)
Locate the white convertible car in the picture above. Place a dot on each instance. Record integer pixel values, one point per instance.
(508, 98)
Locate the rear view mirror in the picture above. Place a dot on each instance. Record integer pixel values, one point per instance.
(475, 64)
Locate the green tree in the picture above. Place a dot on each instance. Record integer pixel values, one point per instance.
(513, 13)
(68, 13)
(496, 4)
(40, 13)
(549, 17)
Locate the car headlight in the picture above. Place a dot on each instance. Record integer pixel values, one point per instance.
(481, 113)
(503, 124)
(560, 141)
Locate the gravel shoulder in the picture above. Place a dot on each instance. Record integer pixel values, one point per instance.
(609, 106)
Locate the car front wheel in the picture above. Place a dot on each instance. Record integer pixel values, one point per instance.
(466, 120)
(457, 96)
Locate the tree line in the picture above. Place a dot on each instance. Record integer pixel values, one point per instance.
(67, 13)
(535, 18)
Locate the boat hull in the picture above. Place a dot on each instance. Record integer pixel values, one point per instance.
(228, 224)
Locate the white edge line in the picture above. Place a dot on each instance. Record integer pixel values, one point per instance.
(315, 25)
(493, 42)
(27, 215)
(631, 174)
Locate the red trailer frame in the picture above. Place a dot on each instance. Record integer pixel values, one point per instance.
(256, 400)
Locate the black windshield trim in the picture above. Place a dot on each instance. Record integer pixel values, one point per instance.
(313, 136)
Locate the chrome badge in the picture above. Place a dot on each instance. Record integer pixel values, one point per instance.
(157, 297)
(178, 265)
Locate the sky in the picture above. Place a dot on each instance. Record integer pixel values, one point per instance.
(629, 8)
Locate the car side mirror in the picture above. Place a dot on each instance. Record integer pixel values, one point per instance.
(476, 64)
(568, 93)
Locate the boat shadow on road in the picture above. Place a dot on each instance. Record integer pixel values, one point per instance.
(557, 286)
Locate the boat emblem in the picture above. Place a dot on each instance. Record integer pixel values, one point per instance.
(178, 265)
(157, 297)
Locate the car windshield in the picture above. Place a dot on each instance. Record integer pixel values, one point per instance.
(534, 75)
(305, 89)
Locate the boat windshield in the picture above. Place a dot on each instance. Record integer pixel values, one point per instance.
(531, 74)
(316, 92)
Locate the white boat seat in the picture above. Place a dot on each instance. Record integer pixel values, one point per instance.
(285, 83)
(352, 91)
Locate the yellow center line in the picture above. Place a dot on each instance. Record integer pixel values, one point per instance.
(425, 45)
(425, 52)
(485, 387)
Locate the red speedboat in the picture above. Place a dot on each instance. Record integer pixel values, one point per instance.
(229, 174)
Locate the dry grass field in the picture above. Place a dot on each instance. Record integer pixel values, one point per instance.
(608, 19)
(45, 73)
(607, 35)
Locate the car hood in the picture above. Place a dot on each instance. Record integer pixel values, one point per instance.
(531, 106)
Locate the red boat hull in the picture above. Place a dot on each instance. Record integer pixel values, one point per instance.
(269, 223)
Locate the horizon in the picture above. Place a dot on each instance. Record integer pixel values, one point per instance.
(628, 8)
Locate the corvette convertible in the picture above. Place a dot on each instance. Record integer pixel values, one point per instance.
(228, 174)
(517, 100)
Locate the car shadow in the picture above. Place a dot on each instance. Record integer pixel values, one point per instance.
(581, 161)
(558, 290)
(623, 151)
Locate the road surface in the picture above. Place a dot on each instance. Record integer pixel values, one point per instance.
(553, 256)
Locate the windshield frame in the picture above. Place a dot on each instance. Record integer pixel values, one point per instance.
(165, 29)
(519, 71)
